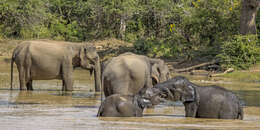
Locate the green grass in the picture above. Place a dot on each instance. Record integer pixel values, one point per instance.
(251, 75)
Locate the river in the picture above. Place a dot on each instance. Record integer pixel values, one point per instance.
(47, 107)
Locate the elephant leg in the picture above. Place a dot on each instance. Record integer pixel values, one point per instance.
(28, 78)
(29, 85)
(67, 77)
(107, 87)
(191, 109)
(228, 110)
(148, 84)
(63, 85)
(21, 77)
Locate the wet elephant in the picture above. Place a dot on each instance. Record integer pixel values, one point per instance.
(130, 74)
(117, 105)
(200, 101)
(45, 60)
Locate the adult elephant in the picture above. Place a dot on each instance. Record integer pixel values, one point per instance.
(199, 101)
(45, 60)
(131, 74)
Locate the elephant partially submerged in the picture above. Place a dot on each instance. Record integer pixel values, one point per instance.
(118, 105)
(131, 74)
(199, 101)
(45, 60)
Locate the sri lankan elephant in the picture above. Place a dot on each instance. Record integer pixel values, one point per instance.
(45, 60)
(199, 101)
(118, 105)
(131, 74)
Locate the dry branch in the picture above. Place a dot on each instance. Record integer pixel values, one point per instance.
(219, 74)
(195, 66)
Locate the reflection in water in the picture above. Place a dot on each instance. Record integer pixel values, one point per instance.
(49, 108)
(250, 97)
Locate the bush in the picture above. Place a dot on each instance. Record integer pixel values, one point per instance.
(143, 46)
(239, 52)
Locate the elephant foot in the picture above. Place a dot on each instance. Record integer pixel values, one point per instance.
(68, 89)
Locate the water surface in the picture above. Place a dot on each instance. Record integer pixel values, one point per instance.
(48, 108)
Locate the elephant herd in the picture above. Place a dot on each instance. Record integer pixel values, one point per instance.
(130, 82)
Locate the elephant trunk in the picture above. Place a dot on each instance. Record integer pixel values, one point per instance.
(97, 74)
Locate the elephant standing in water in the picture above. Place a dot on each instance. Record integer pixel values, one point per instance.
(199, 101)
(131, 74)
(118, 105)
(45, 60)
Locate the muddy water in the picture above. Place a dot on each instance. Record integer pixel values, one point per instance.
(49, 108)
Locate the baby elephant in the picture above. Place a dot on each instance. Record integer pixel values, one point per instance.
(199, 101)
(118, 105)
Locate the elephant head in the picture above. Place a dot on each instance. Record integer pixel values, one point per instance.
(155, 96)
(176, 89)
(183, 89)
(89, 59)
(159, 71)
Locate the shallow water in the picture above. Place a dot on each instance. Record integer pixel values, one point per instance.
(48, 108)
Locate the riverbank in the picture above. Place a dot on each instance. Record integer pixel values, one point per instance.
(112, 47)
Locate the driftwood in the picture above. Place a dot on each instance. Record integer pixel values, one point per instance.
(219, 74)
(195, 66)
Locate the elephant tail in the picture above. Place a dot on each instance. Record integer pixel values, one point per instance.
(102, 87)
(100, 110)
(12, 64)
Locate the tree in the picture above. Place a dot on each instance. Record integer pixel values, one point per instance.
(248, 16)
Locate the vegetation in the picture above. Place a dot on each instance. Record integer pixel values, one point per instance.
(186, 29)
(240, 52)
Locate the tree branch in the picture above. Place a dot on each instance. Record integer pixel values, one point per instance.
(195, 66)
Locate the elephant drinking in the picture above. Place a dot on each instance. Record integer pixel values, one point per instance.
(199, 101)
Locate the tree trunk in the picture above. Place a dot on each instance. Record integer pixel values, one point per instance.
(248, 16)
(122, 27)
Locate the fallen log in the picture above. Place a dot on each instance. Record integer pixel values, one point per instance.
(219, 74)
(195, 66)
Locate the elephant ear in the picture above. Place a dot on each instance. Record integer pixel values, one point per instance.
(156, 68)
(155, 74)
(82, 55)
(159, 69)
(188, 93)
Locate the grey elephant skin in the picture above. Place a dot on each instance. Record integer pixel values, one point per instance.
(118, 105)
(200, 101)
(46, 60)
(131, 74)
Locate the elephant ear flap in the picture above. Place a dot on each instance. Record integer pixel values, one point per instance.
(82, 53)
(155, 74)
(190, 96)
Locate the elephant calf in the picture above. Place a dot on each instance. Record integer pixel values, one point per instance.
(199, 101)
(117, 105)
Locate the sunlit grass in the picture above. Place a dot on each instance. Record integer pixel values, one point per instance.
(251, 75)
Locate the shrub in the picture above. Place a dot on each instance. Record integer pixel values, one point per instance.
(239, 52)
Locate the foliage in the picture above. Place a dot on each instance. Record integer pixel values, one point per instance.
(190, 28)
(240, 52)
(159, 28)
(258, 25)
